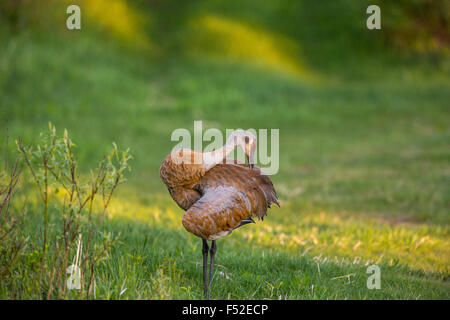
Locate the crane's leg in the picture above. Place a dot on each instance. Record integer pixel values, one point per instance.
(212, 251)
(205, 266)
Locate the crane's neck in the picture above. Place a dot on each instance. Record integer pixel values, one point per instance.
(210, 159)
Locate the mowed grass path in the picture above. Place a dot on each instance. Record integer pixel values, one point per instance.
(364, 158)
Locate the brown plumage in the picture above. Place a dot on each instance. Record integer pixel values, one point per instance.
(217, 197)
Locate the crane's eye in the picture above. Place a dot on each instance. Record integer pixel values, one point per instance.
(246, 140)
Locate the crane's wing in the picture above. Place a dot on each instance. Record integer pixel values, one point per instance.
(231, 195)
(184, 196)
(179, 176)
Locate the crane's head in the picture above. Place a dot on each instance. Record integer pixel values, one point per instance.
(247, 142)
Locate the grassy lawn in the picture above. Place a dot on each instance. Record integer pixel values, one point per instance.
(364, 145)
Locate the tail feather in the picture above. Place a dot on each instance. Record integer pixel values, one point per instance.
(243, 222)
(269, 190)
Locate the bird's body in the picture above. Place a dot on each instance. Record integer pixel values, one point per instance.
(218, 197)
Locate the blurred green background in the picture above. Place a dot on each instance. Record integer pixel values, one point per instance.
(364, 134)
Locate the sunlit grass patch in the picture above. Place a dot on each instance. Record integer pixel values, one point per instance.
(164, 214)
(362, 241)
(120, 19)
(237, 40)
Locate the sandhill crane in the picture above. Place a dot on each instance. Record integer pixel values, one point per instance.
(218, 196)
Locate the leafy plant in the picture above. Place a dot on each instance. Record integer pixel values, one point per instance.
(54, 171)
(12, 242)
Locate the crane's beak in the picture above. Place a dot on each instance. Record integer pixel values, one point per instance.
(250, 162)
(250, 150)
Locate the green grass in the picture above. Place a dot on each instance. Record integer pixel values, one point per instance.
(364, 148)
